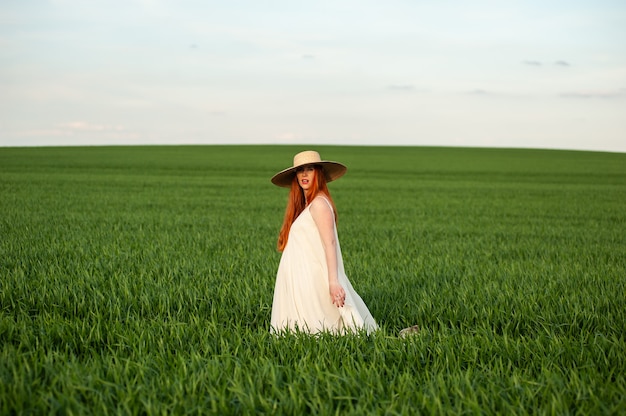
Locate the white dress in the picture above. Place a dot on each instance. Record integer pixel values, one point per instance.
(301, 295)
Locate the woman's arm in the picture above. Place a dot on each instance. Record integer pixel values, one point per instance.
(325, 220)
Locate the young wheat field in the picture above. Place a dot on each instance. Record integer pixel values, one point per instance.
(139, 280)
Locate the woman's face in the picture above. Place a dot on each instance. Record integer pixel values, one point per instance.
(306, 176)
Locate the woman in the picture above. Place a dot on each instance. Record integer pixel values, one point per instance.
(313, 293)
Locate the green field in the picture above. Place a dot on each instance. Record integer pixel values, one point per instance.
(139, 280)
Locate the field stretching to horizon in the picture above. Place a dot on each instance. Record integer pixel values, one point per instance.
(139, 280)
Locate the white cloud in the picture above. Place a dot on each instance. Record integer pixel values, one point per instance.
(71, 133)
(81, 126)
(614, 94)
(398, 87)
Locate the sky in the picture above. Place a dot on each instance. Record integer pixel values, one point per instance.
(485, 73)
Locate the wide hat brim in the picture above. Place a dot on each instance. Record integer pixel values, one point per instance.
(332, 170)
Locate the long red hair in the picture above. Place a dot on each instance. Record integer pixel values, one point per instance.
(298, 201)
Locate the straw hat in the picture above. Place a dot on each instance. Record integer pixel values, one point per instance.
(332, 170)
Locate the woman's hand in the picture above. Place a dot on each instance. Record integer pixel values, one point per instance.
(337, 294)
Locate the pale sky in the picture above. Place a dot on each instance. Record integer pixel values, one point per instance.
(531, 73)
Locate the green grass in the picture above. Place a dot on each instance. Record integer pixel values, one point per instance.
(139, 280)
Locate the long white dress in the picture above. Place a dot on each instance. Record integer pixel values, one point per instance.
(301, 295)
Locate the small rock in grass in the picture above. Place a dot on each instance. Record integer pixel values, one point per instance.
(412, 330)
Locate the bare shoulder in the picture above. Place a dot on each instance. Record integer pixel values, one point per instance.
(321, 209)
